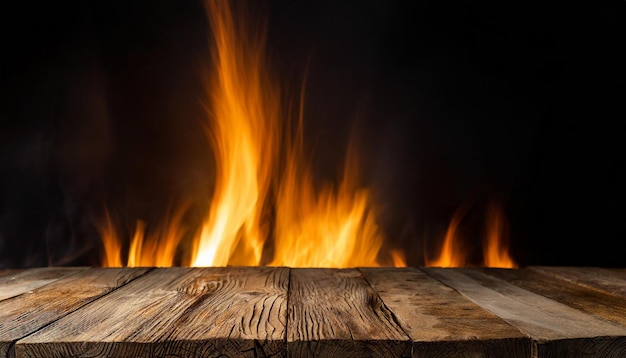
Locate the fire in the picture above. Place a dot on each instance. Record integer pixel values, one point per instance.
(111, 240)
(495, 250)
(147, 248)
(259, 207)
(398, 258)
(266, 207)
(244, 108)
(333, 228)
(329, 228)
(452, 253)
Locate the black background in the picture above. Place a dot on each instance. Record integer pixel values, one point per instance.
(457, 103)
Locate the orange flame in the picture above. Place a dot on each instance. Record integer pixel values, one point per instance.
(398, 258)
(452, 253)
(327, 228)
(244, 137)
(331, 227)
(495, 250)
(112, 243)
(157, 248)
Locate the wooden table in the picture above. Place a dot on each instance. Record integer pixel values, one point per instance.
(264, 312)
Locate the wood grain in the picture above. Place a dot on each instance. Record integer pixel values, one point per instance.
(26, 313)
(16, 282)
(440, 321)
(265, 311)
(606, 280)
(176, 312)
(598, 303)
(557, 329)
(335, 313)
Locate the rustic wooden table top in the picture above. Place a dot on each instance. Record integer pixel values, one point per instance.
(276, 311)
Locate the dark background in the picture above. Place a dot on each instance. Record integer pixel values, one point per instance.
(457, 103)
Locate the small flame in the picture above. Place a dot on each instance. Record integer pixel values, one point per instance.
(398, 258)
(452, 253)
(495, 250)
(111, 240)
(158, 248)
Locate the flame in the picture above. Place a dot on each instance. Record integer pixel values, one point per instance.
(398, 258)
(244, 137)
(329, 228)
(452, 253)
(333, 228)
(263, 182)
(495, 250)
(112, 243)
(156, 248)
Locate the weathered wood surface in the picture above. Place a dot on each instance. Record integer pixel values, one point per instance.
(24, 314)
(596, 302)
(16, 282)
(10, 272)
(273, 311)
(176, 312)
(556, 328)
(440, 321)
(335, 313)
(606, 280)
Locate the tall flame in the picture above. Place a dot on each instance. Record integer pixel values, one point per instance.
(329, 228)
(244, 135)
(263, 183)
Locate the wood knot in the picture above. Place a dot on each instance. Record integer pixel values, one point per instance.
(200, 286)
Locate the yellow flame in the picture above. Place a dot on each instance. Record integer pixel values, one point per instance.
(244, 137)
(331, 226)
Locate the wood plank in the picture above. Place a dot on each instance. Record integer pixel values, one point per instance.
(598, 303)
(611, 281)
(24, 314)
(10, 272)
(557, 329)
(440, 321)
(178, 312)
(16, 282)
(335, 313)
